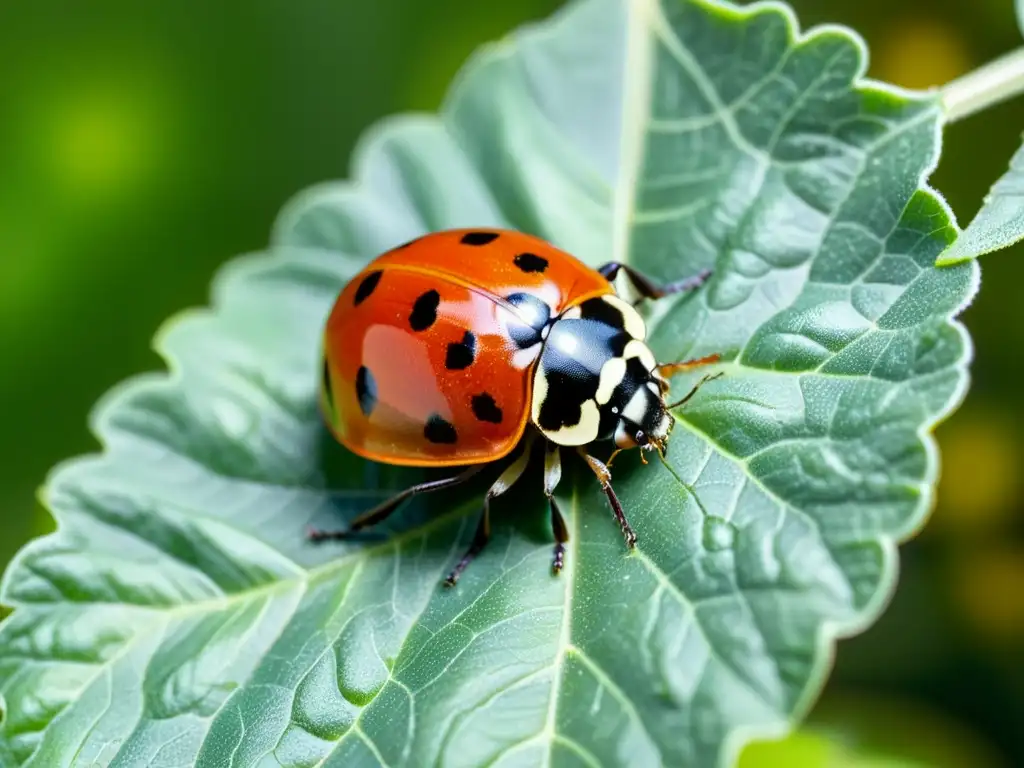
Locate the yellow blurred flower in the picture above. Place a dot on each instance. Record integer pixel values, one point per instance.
(920, 52)
(865, 730)
(988, 586)
(978, 483)
(102, 143)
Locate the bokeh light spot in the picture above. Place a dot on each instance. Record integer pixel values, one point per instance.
(987, 585)
(102, 144)
(978, 485)
(801, 749)
(920, 52)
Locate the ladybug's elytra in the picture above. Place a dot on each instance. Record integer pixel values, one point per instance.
(461, 345)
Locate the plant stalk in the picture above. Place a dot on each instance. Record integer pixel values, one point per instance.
(985, 87)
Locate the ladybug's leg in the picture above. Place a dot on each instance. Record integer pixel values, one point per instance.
(483, 529)
(383, 510)
(604, 476)
(648, 289)
(552, 474)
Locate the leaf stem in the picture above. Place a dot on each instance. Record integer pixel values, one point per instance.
(984, 87)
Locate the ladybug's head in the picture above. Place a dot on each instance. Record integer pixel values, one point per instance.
(645, 422)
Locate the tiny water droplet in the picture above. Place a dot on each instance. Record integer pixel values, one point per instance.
(719, 534)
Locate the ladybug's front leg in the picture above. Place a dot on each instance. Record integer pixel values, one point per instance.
(604, 476)
(646, 287)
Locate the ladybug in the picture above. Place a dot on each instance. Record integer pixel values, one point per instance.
(462, 345)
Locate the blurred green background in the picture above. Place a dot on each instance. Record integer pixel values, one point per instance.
(143, 144)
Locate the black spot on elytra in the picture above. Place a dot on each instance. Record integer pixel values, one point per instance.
(526, 334)
(366, 390)
(531, 262)
(461, 354)
(485, 409)
(424, 311)
(325, 383)
(437, 430)
(367, 286)
(478, 238)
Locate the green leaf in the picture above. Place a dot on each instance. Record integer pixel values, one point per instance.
(1018, 6)
(1000, 222)
(179, 617)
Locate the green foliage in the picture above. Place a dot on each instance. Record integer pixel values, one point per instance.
(179, 615)
(1000, 222)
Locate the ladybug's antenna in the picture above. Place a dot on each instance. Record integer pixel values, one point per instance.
(698, 385)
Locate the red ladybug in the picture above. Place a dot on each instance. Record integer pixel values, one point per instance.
(454, 348)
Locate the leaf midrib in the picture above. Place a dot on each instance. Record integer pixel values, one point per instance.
(565, 634)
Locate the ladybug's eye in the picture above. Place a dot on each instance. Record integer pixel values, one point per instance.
(641, 437)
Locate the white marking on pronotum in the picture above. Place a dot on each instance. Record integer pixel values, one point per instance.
(612, 373)
(642, 351)
(581, 433)
(636, 407)
(631, 321)
(540, 392)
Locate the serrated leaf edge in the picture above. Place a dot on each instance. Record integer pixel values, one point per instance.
(829, 632)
